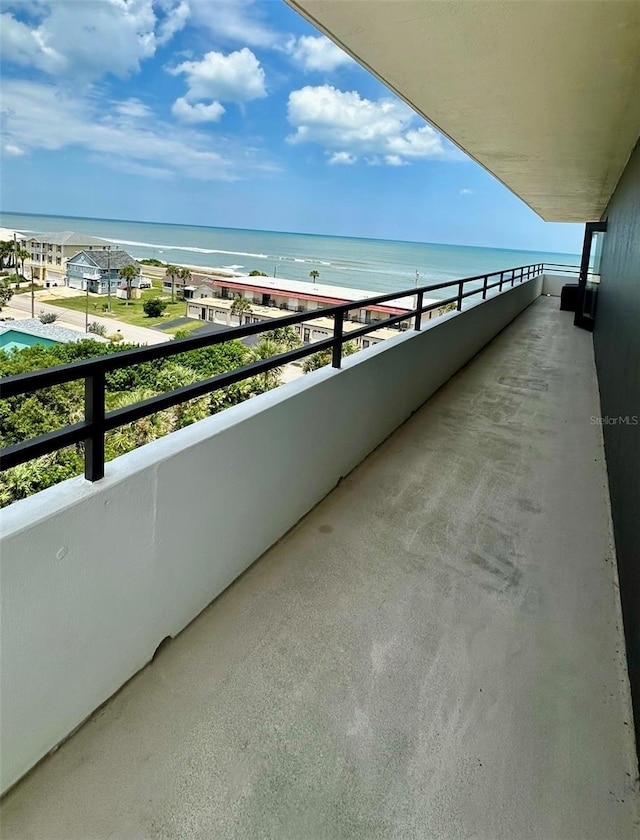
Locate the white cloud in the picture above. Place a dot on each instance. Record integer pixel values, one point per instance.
(317, 53)
(121, 134)
(235, 20)
(85, 40)
(133, 108)
(237, 77)
(345, 122)
(13, 150)
(176, 14)
(197, 113)
(466, 191)
(342, 157)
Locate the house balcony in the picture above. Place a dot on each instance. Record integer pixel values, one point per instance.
(429, 644)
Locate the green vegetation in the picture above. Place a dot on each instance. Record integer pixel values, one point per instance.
(241, 307)
(7, 253)
(97, 329)
(6, 292)
(25, 417)
(185, 330)
(323, 357)
(153, 261)
(131, 312)
(154, 307)
(48, 317)
(314, 275)
(450, 307)
(256, 273)
(286, 337)
(128, 273)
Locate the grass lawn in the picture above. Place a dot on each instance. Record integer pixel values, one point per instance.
(129, 312)
(188, 327)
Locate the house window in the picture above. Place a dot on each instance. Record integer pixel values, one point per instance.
(365, 343)
(211, 314)
(58, 261)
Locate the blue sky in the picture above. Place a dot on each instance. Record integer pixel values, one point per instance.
(233, 113)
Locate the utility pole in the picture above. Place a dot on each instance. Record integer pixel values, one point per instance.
(109, 279)
(86, 308)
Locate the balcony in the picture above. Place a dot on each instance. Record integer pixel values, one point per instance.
(434, 650)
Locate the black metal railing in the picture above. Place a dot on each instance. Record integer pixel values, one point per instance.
(97, 422)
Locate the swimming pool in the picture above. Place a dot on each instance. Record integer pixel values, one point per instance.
(16, 340)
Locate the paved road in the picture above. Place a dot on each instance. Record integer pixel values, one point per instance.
(140, 335)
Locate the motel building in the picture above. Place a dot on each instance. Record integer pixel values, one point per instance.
(213, 298)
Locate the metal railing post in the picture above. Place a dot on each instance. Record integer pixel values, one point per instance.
(501, 280)
(94, 414)
(460, 293)
(338, 323)
(484, 287)
(420, 297)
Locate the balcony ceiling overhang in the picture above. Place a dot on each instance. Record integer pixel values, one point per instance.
(544, 95)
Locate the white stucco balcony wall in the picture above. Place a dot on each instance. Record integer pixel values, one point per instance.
(94, 577)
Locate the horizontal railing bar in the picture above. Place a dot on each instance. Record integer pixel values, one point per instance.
(93, 370)
(130, 413)
(18, 453)
(25, 382)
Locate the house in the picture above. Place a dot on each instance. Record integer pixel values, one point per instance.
(99, 270)
(54, 249)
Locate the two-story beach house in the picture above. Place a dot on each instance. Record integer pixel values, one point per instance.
(98, 270)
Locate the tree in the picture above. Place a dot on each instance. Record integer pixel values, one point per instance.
(7, 251)
(286, 337)
(314, 275)
(172, 271)
(22, 254)
(241, 307)
(185, 276)
(128, 273)
(323, 357)
(6, 292)
(256, 273)
(265, 349)
(154, 307)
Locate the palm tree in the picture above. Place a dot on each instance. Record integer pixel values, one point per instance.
(22, 254)
(262, 382)
(185, 276)
(172, 271)
(128, 273)
(314, 275)
(6, 252)
(241, 307)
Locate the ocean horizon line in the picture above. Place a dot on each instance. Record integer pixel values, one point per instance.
(285, 233)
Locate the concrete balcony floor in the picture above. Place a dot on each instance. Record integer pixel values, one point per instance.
(435, 651)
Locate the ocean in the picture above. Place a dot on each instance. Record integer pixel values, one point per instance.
(375, 265)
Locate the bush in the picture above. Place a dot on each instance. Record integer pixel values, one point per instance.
(115, 337)
(154, 307)
(97, 329)
(256, 273)
(183, 332)
(152, 261)
(47, 317)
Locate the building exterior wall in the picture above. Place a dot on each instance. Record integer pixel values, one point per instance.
(617, 352)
